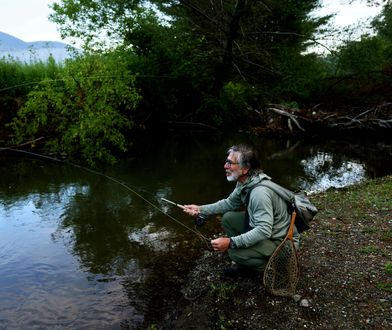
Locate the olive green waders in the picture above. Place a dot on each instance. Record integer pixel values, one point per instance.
(254, 257)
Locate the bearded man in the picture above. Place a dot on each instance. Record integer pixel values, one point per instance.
(251, 236)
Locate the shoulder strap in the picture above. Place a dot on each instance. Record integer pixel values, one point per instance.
(284, 193)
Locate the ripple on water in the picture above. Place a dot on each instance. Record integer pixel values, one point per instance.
(43, 296)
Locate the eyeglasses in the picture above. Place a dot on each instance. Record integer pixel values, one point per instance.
(230, 162)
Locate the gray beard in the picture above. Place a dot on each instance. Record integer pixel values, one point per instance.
(232, 177)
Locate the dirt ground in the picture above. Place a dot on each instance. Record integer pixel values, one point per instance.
(345, 282)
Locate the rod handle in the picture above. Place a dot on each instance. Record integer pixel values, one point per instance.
(178, 205)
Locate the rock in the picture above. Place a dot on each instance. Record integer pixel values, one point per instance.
(297, 298)
(304, 303)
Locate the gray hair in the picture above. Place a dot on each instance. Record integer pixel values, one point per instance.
(247, 158)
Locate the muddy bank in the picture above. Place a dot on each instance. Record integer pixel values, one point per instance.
(345, 282)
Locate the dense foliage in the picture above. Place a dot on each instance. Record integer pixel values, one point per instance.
(213, 62)
(85, 113)
(16, 81)
(362, 68)
(205, 54)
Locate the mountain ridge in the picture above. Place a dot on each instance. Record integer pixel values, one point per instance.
(13, 48)
(11, 43)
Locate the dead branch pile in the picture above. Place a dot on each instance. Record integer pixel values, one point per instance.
(376, 117)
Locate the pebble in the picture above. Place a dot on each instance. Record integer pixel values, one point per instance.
(297, 298)
(304, 303)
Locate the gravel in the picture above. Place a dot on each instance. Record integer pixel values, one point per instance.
(345, 282)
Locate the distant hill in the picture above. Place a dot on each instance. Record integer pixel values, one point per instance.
(31, 51)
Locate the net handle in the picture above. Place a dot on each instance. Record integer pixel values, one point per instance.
(290, 233)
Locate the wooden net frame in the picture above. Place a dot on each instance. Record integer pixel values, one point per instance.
(282, 271)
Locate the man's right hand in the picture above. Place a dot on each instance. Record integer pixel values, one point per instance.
(192, 209)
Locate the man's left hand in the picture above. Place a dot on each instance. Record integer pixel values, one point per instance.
(220, 244)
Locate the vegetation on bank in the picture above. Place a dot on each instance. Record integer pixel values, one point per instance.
(228, 65)
(85, 111)
(345, 281)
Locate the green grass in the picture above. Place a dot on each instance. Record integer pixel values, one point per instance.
(370, 249)
(388, 268)
(223, 291)
(387, 286)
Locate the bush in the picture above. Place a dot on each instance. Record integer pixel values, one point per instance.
(86, 113)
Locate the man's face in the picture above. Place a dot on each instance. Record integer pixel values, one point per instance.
(233, 171)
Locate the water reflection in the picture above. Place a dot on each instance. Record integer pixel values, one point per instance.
(42, 285)
(323, 172)
(79, 251)
(160, 240)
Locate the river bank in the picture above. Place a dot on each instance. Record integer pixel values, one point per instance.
(345, 282)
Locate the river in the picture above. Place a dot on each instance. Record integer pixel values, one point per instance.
(79, 250)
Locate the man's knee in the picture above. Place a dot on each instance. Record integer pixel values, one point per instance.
(228, 218)
(233, 222)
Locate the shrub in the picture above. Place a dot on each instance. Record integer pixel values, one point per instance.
(86, 113)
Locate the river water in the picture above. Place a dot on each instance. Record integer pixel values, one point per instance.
(80, 251)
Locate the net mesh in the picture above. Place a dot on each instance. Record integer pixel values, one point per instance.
(281, 273)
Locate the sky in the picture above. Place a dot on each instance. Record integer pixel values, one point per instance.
(347, 14)
(27, 19)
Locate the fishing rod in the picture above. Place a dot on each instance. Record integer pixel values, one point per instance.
(54, 80)
(199, 220)
(126, 186)
(38, 82)
(170, 202)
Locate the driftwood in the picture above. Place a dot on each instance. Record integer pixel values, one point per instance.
(377, 117)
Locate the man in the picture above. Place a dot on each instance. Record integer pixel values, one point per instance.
(252, 236)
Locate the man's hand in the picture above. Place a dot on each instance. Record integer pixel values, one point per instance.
(220, 244)
(193, 210)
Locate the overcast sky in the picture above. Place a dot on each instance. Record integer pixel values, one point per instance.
(27, 19)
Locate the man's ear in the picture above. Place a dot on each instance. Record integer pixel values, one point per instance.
(245, 171)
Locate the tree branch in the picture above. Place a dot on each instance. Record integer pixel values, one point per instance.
(287, 114)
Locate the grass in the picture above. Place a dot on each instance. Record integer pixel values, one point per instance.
(387, 287)
(223, 291)
(345, 263)
(388, 268)
(370, 249)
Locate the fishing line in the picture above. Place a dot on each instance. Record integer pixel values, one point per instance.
(126, 186)
(83, 78)
(47, 80)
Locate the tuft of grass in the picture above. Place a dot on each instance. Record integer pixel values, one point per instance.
(370, 249)
(370, 230)
(388, 268)
(224, 323)
(387, 235)
(223, 291)
(387, 287)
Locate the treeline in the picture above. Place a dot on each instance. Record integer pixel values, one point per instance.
(216, 64)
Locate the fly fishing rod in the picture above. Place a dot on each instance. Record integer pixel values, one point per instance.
(199, 220)
(38, 82)
(170, 202)
(126, 186)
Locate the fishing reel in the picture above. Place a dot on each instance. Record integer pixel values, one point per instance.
(200, 219)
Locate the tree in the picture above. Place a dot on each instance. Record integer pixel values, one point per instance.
(208, 42)
(363, 67)
(86, 112)
(246, 40)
